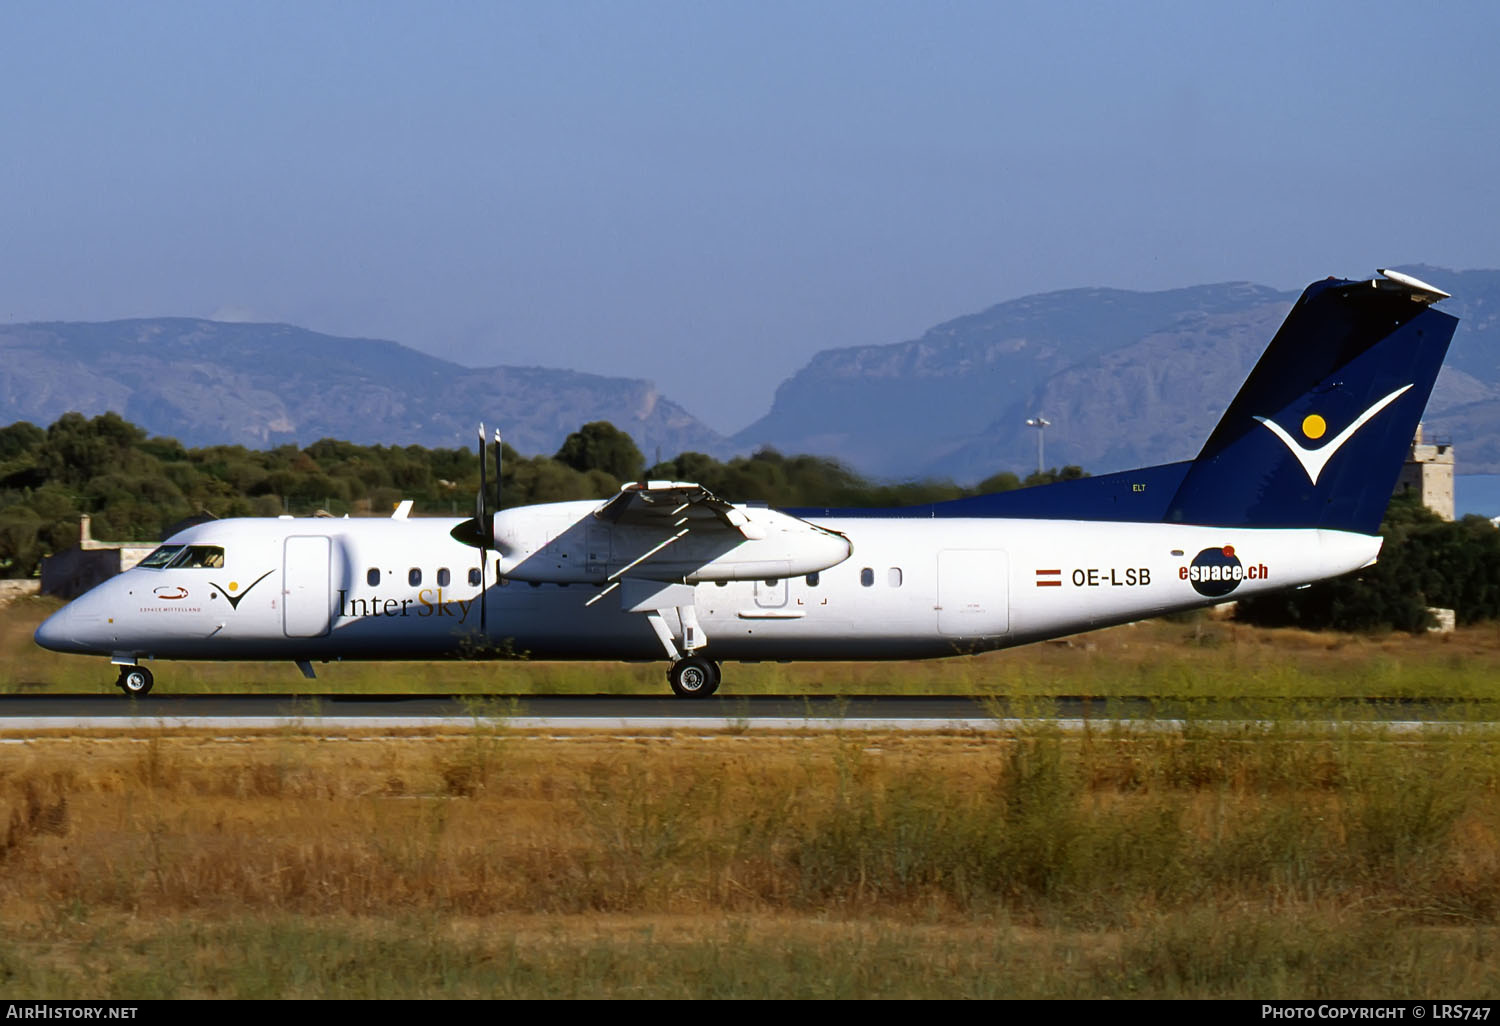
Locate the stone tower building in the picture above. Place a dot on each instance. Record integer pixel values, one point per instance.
(1429, 470)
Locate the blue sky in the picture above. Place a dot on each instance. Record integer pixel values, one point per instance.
(706, 193)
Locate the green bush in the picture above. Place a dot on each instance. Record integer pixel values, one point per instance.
(1424, 561)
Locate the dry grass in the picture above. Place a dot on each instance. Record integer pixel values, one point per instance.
(486, 864)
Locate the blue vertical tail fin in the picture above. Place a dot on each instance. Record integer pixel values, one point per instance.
(1318, 434)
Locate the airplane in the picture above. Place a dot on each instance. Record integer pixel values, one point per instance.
(1289, 489)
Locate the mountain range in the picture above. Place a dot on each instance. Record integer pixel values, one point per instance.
(208, 383)
(1124, 378)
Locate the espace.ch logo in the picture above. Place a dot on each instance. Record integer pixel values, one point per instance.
(1216, 572)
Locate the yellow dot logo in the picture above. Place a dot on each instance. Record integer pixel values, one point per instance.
(1314, 426)
(234, 585)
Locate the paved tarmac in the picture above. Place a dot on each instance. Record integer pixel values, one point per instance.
(27, 714)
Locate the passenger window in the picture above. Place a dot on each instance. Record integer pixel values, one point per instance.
(372, 577)
(867, 577)
(444, 577)
(474, 576)
(414, 577)
(893, 577)
(812, 579)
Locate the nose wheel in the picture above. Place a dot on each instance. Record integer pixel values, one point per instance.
(694, 677)
(135, 681)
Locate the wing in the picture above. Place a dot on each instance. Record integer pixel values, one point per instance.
(674, 505)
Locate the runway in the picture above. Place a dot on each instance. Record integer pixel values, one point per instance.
(43, 714)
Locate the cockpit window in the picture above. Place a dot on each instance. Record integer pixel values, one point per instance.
(161, 557)
(196, 556)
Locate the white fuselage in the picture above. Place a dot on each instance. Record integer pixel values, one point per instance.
(319, 589)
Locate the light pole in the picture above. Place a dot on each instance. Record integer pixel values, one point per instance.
(1041, 424)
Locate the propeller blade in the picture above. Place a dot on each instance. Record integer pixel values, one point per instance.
(479, 499)
(479, 530)
(497, 470)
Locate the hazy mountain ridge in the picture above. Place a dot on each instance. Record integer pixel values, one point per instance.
(955, 401)
(1152, 401)
(207, 382)
(1126, 378)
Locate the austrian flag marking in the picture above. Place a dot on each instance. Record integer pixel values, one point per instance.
(1049, 578)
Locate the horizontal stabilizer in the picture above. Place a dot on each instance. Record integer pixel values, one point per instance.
(1419, 290)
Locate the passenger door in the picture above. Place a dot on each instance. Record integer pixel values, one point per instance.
(306, 588)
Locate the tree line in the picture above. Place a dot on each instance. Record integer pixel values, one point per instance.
(136, 488)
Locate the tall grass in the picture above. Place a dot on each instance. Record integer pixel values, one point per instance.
(1197, 861)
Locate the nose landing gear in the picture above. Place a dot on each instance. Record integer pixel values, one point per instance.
(135, 681)
(694, 677)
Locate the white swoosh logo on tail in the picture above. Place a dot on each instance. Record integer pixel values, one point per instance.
(1314, 460)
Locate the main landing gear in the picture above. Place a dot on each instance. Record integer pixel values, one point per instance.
(694, 677)
(135, 681)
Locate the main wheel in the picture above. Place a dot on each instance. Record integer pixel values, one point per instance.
(135, 681)
(694, 677)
